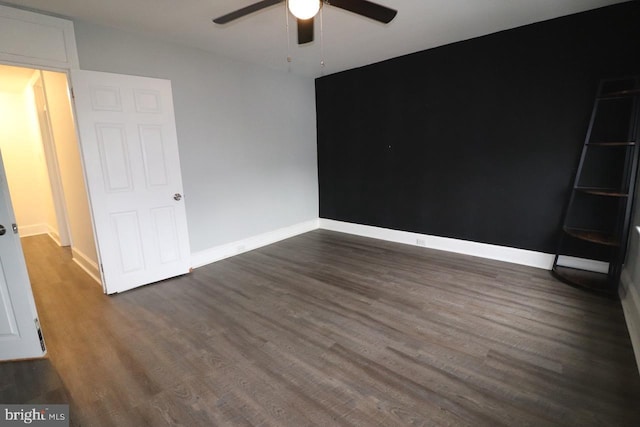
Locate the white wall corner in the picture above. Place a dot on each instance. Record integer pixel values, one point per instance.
(53, 233)
(87, 264)
(482, 250)
(630, 298)
(208, 256)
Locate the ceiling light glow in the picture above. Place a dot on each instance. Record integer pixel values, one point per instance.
(304, 9)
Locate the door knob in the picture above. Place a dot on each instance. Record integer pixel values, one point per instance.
(2, 230)
(177, 197)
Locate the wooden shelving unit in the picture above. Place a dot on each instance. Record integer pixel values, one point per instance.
(597, 219)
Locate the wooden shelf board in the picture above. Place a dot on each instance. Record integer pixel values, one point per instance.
(592, 236)
(602, 191)
(620, 94)
(613, 144)
(596, 282)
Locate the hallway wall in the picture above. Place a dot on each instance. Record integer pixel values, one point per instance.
(71, 171)
(25, 164)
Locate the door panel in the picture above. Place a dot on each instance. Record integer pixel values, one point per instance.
(113, 156)
(130, 151)
(19, 329)
(153, 155)
(8, 327)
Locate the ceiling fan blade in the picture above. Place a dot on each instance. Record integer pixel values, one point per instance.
(245, 11)
(305, 31)
(365, 8)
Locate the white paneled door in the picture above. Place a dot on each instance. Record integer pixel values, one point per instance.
(130, 151)
(20, 336)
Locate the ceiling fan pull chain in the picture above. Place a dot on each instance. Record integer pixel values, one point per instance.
(321, 42)
(286, 17)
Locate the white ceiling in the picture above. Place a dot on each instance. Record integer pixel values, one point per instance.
(349, 40)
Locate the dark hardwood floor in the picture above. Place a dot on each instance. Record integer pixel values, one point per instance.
(328, 329)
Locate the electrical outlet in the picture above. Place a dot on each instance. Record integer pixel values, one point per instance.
(421, 242)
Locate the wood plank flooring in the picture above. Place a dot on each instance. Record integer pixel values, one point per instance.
(327, 329)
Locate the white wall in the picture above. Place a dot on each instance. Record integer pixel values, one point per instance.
(630, 281)
(71, 174)
(246, 134)
(56, 217)
(25, 164)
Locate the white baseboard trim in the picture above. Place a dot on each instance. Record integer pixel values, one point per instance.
(466, 247)
(53, 233)
(55, 237)
(208, 256)
(32, 230)
(87, 264)
(630, 298)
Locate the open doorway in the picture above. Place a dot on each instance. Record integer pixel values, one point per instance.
(42, 161)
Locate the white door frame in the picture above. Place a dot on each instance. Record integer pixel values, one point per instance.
(51, 47)
(47, 42)
(53, 168)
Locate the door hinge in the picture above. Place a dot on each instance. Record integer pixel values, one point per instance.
(73, 95)
(15, 228)
(42, 346)
(101, 269)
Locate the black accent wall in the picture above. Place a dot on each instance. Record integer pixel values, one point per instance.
(476, 140)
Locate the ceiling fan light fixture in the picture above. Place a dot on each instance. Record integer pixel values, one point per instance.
(304, 9)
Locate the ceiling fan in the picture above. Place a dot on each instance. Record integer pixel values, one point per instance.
(305, 10)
